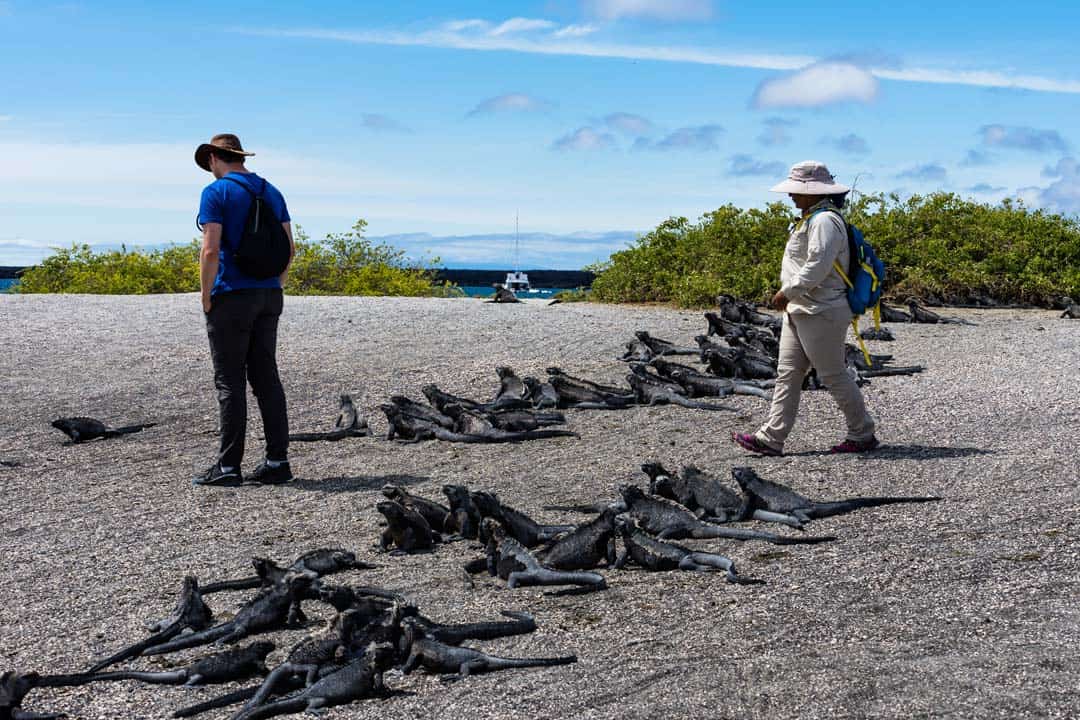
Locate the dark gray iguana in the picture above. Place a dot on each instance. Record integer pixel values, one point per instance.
(14, 688)
(190, 614)
(653, 393)
(585, 547)
(406, 530)
(349, 423)
(518, 525)
(82, 429)
(706, 496)
(460, 662)
(319, 562)
(512, 561)
(435, 513)
(762, 494)
(359, 679)
(233, 664)
(272, 609)
(669, 520)
(464, 516)
(642, 549)
(417, 626)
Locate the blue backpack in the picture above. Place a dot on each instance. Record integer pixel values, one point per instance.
(865, 279)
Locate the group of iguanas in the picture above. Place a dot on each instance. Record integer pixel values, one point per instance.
(692, 504)
(373, 631)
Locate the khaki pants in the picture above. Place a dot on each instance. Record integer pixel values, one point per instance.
(816, 341)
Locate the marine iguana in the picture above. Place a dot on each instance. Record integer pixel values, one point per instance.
(359, 679)
(435, 513)
(14, 687)
(768, 495)
(512, 561)
(637, 351)
(894, 315)
(706, 496)
(737, 363)
(503, 295)
(573, 395)
(1072, 312)
(509, 420)
(518, 525)
(406, 529)
(879, 364)
(348, 424)
(920, 314)
(585, 547)
(697, 384)
(440, 399)
(471, 429)
(83, 429)
(554, 372)
(651, 554)
(663, 347)
(190, 614)
(729, 330)
(541, 394)
(423, 412)
(651, 394)
(512, 392)
(668, 520)
(233, 664)
(272, 609)
(464, 515)
(319, 562)
(437, 657)
(416, 627)
(743, 312)
(879, 334)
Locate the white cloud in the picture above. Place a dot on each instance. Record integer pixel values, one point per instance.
(584, 138)
(1021, 137)
(819, 84)
(511, 102)
(652, 9)
(697, 137)
(628, 124)
(462, 25)
(520, 25)
(547, 45)
(573, 31)
(1063, 195)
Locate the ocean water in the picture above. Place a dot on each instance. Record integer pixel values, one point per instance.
(488, 291)
(7, 283)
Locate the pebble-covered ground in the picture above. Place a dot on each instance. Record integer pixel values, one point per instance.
(965, 608)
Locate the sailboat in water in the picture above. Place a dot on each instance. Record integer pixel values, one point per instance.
(516, 281)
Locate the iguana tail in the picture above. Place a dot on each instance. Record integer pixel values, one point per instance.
(193, 640)
(137, 649)
(219, 702)
(76, 679)
(708, 533)
(127, 429)
(828, 509)
(248, 583)
(688, 403)
(281, 707)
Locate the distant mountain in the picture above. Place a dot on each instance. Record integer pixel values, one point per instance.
(496, 251)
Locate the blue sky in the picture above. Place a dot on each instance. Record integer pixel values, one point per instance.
(593, 119)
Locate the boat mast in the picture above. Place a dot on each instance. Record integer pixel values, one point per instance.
(516, 256)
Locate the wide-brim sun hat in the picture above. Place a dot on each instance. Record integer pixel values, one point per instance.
(226, 142)
(810, 177)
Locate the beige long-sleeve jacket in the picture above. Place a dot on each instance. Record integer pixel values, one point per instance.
(807, 276)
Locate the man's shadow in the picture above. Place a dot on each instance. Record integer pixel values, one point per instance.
(905, 452)
(356, 482)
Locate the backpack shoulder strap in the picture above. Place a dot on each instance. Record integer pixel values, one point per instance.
(251, 192)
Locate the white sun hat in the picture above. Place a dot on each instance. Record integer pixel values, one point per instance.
(810, 177)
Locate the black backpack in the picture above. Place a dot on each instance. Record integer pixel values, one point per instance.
(264, 250)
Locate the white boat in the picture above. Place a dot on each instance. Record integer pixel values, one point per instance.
(516, 281)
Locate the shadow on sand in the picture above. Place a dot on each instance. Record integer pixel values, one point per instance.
(905, 452)
(357, 482)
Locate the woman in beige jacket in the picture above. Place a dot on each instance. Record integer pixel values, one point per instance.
(813, 298)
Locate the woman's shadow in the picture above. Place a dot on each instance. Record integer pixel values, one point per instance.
(357, 482)
(906, 452)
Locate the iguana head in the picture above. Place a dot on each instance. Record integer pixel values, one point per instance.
(391, 510)
(504, 372)
(744, 476)
(393, 492)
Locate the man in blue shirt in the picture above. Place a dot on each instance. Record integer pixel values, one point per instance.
(241, 314)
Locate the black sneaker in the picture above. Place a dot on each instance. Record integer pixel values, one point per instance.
(266, 475)
(214, 475)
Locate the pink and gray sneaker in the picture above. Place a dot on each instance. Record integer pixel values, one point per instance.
(749, 441)
(855, 446)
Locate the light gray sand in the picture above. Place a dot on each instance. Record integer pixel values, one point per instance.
(965, 608)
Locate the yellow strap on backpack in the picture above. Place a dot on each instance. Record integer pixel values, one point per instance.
(855, 319)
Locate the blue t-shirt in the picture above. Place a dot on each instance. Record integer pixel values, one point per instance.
(224, 202)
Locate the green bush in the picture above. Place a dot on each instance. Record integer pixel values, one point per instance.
(937, 246)
(579, 294)
(343, 264)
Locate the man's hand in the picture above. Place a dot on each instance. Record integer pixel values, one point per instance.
(780, 301)
(207, 302)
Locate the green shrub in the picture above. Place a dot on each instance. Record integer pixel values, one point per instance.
(579, 294)
(937, 246)
(343, 264)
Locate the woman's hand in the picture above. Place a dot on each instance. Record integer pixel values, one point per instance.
(780, 301)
